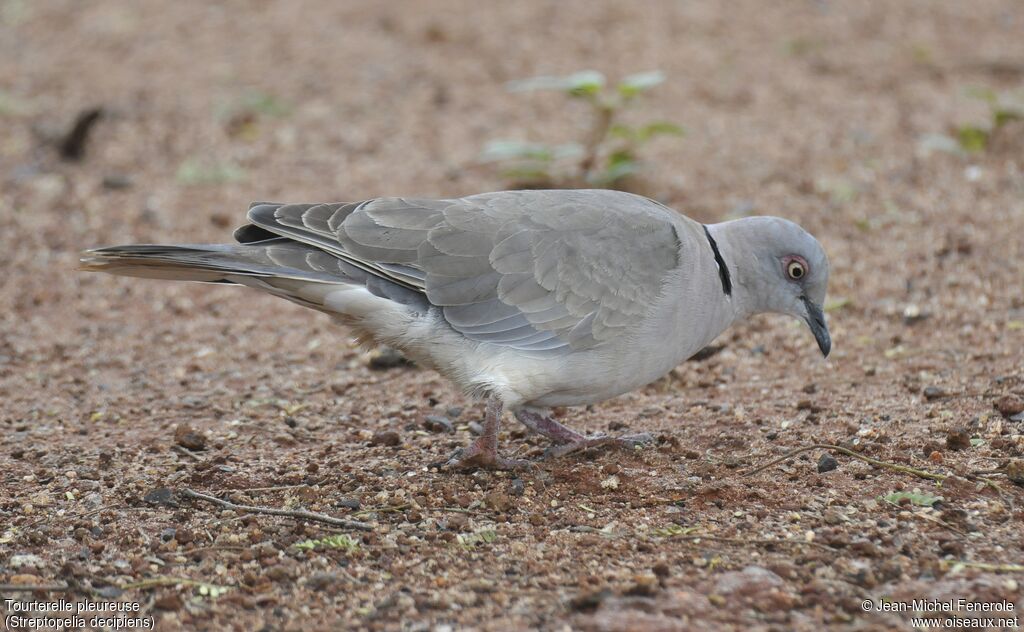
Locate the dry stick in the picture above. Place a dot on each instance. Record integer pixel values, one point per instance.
(998, 568)
(824, 446)
(33, 587)
(882, 464)
(271, 511)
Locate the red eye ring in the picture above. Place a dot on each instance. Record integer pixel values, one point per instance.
(795, 267)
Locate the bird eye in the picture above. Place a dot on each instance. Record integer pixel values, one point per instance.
(796, 270)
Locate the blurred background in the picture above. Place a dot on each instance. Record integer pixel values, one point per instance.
(891, 130)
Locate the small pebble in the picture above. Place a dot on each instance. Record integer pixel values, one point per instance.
(437, 423)
(958, 440)
(476, 428)
(453, 412)
(1008, 406)
(1015, 471)
(518, 487)
(187, 437)
(170, 601)
(160, 496)
(388, 438)
(827, 463)
(933, 392)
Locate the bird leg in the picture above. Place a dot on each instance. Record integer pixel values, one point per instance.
(568, 440)
(483, 452)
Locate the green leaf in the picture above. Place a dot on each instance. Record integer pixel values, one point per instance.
(339, 541)
(915, 497)
(620, 164)
(1002, 116)
(583, 83)
(483, 536)
(972, 138)
(659, 128)
(623, 131)
(640, 82)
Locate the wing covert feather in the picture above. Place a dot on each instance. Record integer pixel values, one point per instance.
(544, 271)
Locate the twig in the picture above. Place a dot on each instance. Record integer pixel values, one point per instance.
(870, 461)
(189, 453)
(932, 476)
(33, 587)
(272, 511)
(939, 522)
(276, 488)
(392, 509)
(997, 568)
(471, 512)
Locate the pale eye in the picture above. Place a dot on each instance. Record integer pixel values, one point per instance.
(796, 270)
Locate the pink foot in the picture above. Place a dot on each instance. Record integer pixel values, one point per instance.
(482, 457)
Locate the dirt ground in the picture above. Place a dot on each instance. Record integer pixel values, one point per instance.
(118, 394)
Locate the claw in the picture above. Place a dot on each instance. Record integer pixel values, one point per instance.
(475, 457)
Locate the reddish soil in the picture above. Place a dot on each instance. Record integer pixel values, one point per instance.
(810, 110)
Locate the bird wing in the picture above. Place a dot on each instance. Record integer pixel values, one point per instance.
(532, 270)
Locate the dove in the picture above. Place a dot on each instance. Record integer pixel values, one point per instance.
(528, 300)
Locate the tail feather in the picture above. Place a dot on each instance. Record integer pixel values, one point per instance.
(291, 270)
(214, 263)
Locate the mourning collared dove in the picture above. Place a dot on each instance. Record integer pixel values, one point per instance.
(528, 299)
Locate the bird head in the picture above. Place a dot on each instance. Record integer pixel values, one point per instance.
(782, 268)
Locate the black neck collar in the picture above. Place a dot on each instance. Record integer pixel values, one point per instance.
(723, 270)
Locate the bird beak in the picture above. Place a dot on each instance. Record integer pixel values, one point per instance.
(816, 320)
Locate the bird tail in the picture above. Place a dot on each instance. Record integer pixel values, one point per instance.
(291, 270)
(208, 263)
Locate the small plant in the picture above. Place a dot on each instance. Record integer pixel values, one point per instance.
(471, 540)
(1002, 110)
(610, 151)
(211, 591)
(339, 541)
(915, 497)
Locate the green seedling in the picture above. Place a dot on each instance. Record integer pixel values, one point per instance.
(339, 541)
(1002, 110)
(610, 151)
(471, 540)
(915, 497)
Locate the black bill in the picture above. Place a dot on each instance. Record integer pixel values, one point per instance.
(816, 321)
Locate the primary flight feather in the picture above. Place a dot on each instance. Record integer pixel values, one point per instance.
(529, 299)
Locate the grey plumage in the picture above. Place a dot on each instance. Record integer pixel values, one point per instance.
(532, 298)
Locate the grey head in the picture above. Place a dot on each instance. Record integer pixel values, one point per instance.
(780, 268)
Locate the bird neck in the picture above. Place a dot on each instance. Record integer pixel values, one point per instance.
(737, 245)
